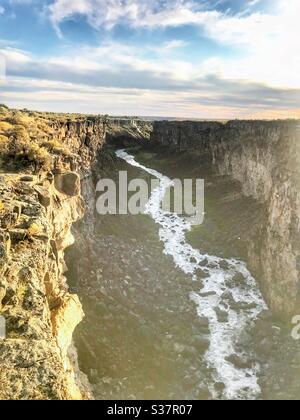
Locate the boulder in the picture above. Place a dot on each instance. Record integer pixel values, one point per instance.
(202, 274)
(68, 183)
(221, 315)
(238, 362)
(224, 265)
(43, 195)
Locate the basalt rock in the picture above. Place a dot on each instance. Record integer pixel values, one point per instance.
(68, 183)
(37, 358)
(33, 331)
(264, 156)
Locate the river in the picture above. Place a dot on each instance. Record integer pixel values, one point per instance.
(166, 319)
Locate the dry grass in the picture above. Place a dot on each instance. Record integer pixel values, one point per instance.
(5, 126)
(34, 230)
(4, 144)
(2, 207)
(24, 137)
(32, 138)
(3, 139)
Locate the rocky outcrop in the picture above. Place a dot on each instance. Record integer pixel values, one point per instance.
(40, 313)
(82, 138)
(37, 356)
(123, 131)
(265, 158)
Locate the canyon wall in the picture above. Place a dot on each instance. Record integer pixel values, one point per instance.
(37, 210)
(265, 158)
(123, 131)
(37, 357)
(38, 207)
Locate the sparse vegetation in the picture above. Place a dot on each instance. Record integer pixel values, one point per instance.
(5, 126)
(3, 110)
(34, 230)
(2, 206)
(33, 138)
(4, 144)
(27, 137)
(57, 148)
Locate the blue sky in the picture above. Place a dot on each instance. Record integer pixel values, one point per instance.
(181, 58)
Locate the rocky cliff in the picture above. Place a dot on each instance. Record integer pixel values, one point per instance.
(123, 131)
(265, 158)
(37, 358)
(45, 160)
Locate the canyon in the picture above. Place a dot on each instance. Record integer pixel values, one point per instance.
(264, 157)
(38, 358)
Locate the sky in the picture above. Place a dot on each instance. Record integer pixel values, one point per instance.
(215, 59)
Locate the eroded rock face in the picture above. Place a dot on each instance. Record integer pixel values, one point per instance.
(125, 131)
(265, 158)
(83, 139)
(37, 357)
(68, 183)
(40, 313)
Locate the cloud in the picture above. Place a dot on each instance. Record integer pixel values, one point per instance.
(60, 96)
(139, 85)
(271, 44)
(123, 66)
(268, 41)
(2, 10)
(24, 2)
(135, 13)
(223, 26)
(262, 76)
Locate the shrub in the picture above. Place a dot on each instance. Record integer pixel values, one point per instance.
(20, 134)
(3, 138)
(52, 144)
(3, 111)
(21, 147)
(38, 154)
(5, 126)
(4, 144)
(56, 147)
(34, 230)
(43, 125)
(22, 120)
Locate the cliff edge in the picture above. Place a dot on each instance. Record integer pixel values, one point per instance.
(43, 158)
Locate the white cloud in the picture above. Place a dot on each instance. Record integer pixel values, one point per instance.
(86, 82)
(123, 65)
(2, 10)
(13, 55)
(269, 42)
(136, 13)
(59, 97)
(271, 46)
(264, 75)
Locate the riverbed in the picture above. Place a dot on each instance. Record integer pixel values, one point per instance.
(172, 311)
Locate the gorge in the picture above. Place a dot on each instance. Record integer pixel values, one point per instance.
(119, 269)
